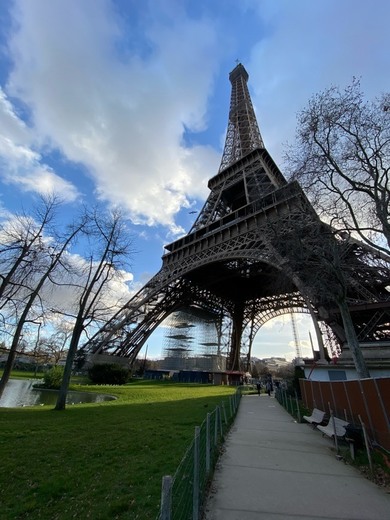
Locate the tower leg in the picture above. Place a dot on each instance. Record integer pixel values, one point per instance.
(235, 348)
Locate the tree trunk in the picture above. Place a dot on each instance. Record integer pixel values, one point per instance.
(12, 352)
(353, 343)
(63, 391)
(7, 369)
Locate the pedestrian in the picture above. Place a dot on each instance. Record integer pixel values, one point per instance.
(258, 386)
(269, 387)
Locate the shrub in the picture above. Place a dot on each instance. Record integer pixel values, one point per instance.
(53, 377)
(108, 374)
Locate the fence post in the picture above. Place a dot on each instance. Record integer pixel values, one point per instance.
(208, 444)
(220, 420)
(195, 491)
(298, 410)
(231, 406)
(224, 412)
(363, 393)
(166, 498)
(216, 425)
(383, 408)
(302, 384)
(336, 442)
(366, 442)
(285, 401)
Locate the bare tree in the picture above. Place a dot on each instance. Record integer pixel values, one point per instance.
(21, 243)
(314, 256)
(47, 258)
(51, 349)
(342, 158)
(111, 246)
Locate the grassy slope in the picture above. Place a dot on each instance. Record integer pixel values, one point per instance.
(101, 461)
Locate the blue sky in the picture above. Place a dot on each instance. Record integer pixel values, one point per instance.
(126, 102)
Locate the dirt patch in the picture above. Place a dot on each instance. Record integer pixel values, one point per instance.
(380, 476)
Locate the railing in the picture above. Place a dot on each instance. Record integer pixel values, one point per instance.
(183, 494)
(289, 402)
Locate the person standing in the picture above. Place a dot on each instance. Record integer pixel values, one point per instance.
(258, 386)
(269, 387)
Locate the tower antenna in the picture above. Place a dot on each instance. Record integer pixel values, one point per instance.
(296, 336)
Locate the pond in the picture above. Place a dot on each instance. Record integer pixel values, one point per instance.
(20, 392)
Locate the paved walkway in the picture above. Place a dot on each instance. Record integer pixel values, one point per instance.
(276, 469)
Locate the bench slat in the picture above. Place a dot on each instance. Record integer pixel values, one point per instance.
(317, 416)
(338, 429)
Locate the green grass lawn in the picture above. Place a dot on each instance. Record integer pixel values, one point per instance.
(99, 461)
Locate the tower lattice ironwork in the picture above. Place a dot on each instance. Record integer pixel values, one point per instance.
(232, 266)
(243, 134)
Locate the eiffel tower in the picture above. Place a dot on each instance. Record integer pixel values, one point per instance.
(228, 266)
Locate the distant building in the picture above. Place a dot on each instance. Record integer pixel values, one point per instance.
(276, 362)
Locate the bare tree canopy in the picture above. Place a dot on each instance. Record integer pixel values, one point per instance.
(111, 247)
(22, 248)
(342, 158)
(322, 267)
(31, 261)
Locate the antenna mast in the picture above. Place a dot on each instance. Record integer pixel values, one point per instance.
(296, 336)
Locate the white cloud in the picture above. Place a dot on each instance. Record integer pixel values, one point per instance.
(10, 123)
(116, 91)
(64, 296)
(306, 47)
(20, 164)
(121, 115)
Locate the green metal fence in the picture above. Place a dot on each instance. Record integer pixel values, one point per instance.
(289, 402)
(183, 494)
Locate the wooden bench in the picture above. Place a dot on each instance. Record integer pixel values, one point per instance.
(317, 417)
(335, 427)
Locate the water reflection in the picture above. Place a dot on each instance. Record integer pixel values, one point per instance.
(20, 392)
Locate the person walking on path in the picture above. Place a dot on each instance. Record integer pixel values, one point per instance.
(268, 387)
(258, 386)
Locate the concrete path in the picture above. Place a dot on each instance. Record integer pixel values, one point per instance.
(276, 469)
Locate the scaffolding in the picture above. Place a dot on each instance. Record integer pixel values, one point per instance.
(193, 342)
